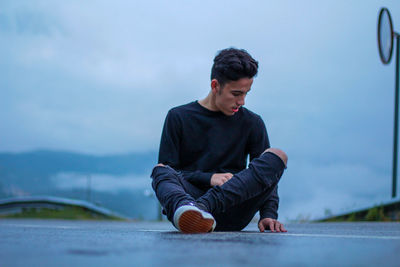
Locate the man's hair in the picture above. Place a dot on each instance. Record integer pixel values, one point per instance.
(232, 64)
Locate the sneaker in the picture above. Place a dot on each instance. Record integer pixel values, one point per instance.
(190, 219)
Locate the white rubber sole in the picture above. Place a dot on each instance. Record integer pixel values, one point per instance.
(190, 219)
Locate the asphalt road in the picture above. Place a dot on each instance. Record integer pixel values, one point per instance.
(86, 243)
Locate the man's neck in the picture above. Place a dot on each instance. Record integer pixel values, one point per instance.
(209, 102)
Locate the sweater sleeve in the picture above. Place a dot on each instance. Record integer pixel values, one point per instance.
(169, 152)
(270, 207)
(170, 141)
(259, 142)
(199, 178)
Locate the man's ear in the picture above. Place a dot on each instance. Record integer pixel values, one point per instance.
(215, 86)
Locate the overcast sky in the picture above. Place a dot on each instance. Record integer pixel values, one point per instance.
(99, 78)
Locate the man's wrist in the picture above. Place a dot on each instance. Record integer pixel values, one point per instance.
(268, 214)
(205, 178)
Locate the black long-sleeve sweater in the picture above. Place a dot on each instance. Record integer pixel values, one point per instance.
(199, 142)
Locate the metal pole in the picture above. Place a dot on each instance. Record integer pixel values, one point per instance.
(396, 118)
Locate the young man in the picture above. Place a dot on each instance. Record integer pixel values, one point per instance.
(201, 180)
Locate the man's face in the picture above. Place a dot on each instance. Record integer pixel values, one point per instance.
(230, 97)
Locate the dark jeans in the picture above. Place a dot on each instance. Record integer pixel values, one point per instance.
(233, 204)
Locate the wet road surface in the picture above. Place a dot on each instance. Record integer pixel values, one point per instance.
(105, 243)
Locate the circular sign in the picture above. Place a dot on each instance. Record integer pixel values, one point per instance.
(385, 35)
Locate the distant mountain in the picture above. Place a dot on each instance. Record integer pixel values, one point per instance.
(33, 173)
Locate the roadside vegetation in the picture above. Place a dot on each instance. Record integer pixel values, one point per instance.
(374, 214)
(67, 213)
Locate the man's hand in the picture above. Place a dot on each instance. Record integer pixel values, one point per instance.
(271, 224)
(220, 178)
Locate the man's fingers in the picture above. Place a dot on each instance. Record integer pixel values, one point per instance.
(277, 226)
(220, 178)
(261, 227)
(228, 176)
(272, 226)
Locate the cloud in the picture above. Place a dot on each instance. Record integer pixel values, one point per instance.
(309, 188)
(76, 79)
(101, 182)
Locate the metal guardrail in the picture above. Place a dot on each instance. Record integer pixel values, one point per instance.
(388, 206)
(54, 202)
